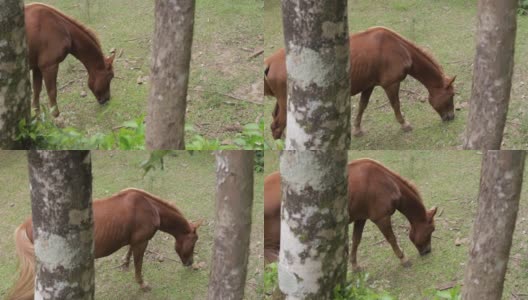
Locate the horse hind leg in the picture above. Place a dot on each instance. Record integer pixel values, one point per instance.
(363, 102)
(126, 259)
(138, 251)
(37, 87)
(385, 227)
(356, 239)
(393, 93)
(50, 79)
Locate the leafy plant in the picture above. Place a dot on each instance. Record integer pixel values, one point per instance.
(357, 288)
(271, 279)
(523, 7)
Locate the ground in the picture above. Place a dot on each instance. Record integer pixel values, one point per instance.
(450, 181)
(446, 28)
(188, 181)
(225, 89)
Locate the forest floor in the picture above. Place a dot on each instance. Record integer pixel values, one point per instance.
(446, 28)
(225, 89)
(450, 181)
(189, 181)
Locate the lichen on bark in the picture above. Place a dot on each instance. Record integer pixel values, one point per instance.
(318, 65)
(15, 89)
(61, 203)
(314, 223)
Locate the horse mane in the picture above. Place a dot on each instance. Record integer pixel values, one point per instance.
(406, 182)
(411, 44)
(152, 197)
(85, 29)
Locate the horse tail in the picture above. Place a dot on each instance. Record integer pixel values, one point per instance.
(267, 89)
(24, 286)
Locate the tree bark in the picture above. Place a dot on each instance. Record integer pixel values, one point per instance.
(498, 203)
(61, 203)
(318, 64)
(234, 201)
(492, 74)
(314, 223)
(15, 89)
(171, 56)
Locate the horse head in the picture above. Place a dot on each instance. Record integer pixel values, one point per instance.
(421, 232)
(441, 99)
(185, 244)
(99, 81)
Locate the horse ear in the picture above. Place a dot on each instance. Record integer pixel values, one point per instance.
(451, 81)
(433, 210)
(198, 224)
(110, 59)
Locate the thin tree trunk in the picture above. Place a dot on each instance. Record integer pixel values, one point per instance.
(61, 203)
(498, 203)
(314, 223)
(492, 74)
(15, 89)
(234, 200)
(318, 63)
(171, 56)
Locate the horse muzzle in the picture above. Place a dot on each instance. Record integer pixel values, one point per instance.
(450, 116)
(425, 251)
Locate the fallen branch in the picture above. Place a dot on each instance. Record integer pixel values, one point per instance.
(66, 84)
(226, 95)
(256, 53)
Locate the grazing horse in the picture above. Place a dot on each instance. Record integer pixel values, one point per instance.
(378, 56)
(374, 193)
(51, 36)
(130, 217)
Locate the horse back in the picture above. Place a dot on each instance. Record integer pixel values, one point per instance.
(48, 37)
(373, 190)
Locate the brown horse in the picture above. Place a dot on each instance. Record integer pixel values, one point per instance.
(130, 217)
(51, 36)
(374, 193)
(378, 56)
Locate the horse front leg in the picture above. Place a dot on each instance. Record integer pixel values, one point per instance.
(385, 227)
(139, 252)
(363, 102)
(50, 79)
(356, 239)
(393, 93)
(37, 87)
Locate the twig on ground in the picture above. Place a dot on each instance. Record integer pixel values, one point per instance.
(66, 84)
(256, 53)
(226, 95)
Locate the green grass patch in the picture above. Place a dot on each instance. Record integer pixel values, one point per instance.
(450, 181)
(189, 181)
(445, 28)
(224, 91)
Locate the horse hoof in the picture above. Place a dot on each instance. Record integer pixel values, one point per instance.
(406, 263)
(407, 127)
(55, 112)
(358, 132)
(124, 268)
(145, 287)
(357, 269)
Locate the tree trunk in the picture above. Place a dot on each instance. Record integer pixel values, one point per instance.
(318, 63)
(234, 200)
(61, 202)
(492, 74)
(498, 203)
(171, 56)
(314, 223)
(15, 89)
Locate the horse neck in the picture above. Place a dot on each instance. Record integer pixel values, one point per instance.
(86, 50)
(171, 220)
(411, 205)
(424, 70)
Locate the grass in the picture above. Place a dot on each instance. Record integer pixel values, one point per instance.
(446, 28)
(449, 180)
(188, 181)
(225, 35)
